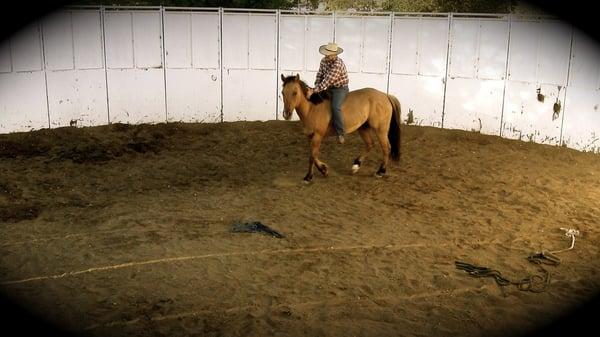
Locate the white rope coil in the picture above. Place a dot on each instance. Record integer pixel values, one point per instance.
(569, 232)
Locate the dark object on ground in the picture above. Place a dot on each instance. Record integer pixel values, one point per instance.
(253, 227)
(533, 283)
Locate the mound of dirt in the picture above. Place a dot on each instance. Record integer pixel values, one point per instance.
(85, 145)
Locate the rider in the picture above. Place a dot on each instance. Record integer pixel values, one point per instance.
(333, 76)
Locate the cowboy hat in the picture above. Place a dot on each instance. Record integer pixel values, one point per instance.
(330, 49)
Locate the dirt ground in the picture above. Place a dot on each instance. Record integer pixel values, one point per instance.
(126, 231)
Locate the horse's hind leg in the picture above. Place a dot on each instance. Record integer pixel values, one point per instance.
(382, 136)
(365, 134)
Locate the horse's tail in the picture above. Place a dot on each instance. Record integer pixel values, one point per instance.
(394, 132)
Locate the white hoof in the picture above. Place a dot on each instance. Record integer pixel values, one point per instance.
(355, 168)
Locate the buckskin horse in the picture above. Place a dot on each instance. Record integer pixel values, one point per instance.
(363, 110)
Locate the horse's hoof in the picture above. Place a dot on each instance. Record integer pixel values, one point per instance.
(324, 170)
(355, 168)
(308, 179)
(381, 172)
(306, 182)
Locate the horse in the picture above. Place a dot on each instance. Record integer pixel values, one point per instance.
(363, 110)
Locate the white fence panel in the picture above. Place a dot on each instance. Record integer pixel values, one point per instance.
(87, 40)
(136, 80)
(253, 99)
(493, 49)
(26, 49)
(433, 47)
(366, 43)
(77, 97)
(473, 105)
(419, 46)
(118, 30)
(554, 52)
(528, 116)
(292, 42)
(581, 123)
(418, 68)
(205, 40)
(585, 64)
(465, 45)
(581, 127)
(193, 95)
(533, 79)
(474, 92)
(193, 72)
(147, 39)
(421, 98)
(58, 41)
(75, 78)
(405, 46)
(178, 37)
(5, 58)
(262, 41)
(524, 41)
(23, 103)
(367, 80)
(235, 40)
(376, 45)
(535, 91)
(249, 70)
(147, 105)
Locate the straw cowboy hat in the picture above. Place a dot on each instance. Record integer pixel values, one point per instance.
(330, 49)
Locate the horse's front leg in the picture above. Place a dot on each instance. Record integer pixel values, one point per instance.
(315, 144)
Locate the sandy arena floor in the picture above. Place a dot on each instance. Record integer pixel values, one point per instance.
(125, 231)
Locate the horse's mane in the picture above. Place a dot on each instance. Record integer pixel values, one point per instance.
(316, 98)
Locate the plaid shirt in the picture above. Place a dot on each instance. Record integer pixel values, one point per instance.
(331, 73)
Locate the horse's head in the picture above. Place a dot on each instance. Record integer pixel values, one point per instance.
(294, 90)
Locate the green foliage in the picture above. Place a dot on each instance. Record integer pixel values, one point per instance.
(411, 5)
(361, 5)
(457, 6)
(477, 6)
(266, 4)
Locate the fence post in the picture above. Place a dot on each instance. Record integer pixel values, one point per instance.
(164, 59)
(40, 27)
(389, 58)
(221, 55)
(278, 16)
(102, 21)
(447, 66)
(564, 105)
(507, 67)
(334, 24)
